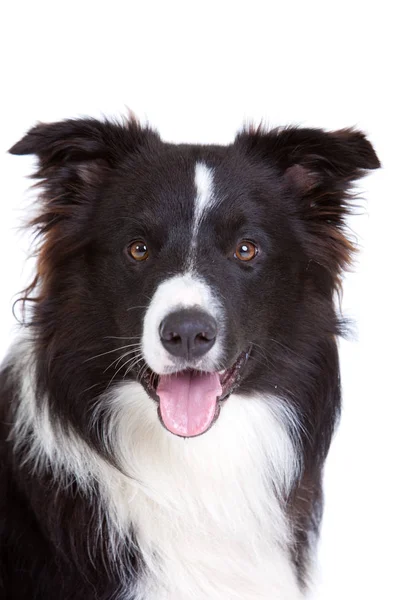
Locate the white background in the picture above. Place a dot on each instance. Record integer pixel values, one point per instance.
(197, 71)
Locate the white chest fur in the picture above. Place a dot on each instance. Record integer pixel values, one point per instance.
(205, 510)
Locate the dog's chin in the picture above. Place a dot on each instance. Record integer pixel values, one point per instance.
(227, 381)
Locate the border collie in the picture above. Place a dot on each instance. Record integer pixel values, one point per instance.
(168, 407)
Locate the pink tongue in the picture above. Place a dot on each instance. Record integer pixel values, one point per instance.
(188, 401)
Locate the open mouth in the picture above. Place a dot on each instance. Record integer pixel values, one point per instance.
(189, 401)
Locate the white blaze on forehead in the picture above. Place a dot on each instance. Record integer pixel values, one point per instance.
(204, 201)
(205, 197)
(182, 291)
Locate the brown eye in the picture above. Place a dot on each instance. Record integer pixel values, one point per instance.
(246, 251)
(138, 250)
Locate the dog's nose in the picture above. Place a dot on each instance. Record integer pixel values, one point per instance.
(188, 333)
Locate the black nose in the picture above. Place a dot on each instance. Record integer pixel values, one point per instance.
(188, 333)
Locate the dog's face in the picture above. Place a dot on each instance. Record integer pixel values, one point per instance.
(192, 269)
(196, 252)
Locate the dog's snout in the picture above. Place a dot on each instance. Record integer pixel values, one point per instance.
(188, 334)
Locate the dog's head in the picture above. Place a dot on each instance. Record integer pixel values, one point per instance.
(192, 269)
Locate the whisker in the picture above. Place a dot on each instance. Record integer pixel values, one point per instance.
(109, 352)
(284, 346)
(263, 363)
(138, 358)
(136, 354)
(115, 374)
(117, 360)
(118, 337)
(130, 360)
(142, 371)
(153, 378)
(133, 362)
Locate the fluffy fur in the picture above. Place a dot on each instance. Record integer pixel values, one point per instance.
(98, 499)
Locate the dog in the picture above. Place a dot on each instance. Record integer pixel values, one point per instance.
(169, 404)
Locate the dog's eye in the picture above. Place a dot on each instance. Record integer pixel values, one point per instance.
(246, 250)
(138, 250)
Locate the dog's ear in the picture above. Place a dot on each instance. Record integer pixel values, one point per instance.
(75, 158)
(313, 157)
(318, 168)
(78, 152)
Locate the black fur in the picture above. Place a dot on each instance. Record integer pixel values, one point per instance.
(105, 184)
